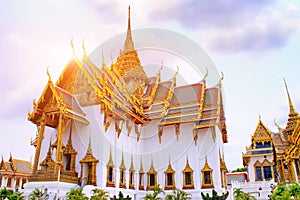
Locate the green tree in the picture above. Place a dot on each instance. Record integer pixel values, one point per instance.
(242, 169)
(240, 195)
(154, 196)
(215, 196)
(5, 193)
(76, 194)
(35, 194)
(121, 197)
(286, 191)
(178, 194)
(99, 194)
(16, 196)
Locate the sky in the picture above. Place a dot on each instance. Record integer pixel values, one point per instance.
(256, 45)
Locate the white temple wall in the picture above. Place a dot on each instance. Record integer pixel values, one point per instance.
(251, 168)
(148, 149)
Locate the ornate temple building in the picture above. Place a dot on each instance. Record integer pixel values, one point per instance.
(259, 155)
(275, 155)
(14, 173)
(114, 127)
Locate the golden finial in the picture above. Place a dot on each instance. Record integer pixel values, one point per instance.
(175, 75)
(103, 60)
(111, 58)
(161, 67)
(129, 25)
(206, 73)
(259, 117)
(72, 45)
(83, 47)
(292, 109)
(90, 144)
(278, 127)
(49, 76)
(222, 77)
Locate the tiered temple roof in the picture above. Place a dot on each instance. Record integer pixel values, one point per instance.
(126, 94)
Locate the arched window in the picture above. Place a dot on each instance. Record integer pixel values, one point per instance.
(268, 172)
(110, 181)
(207, 180)
(187, 175)
(152, 176)
(169, 178)
(258, 171)
(122, 173)
(131, 175)
(141, 176)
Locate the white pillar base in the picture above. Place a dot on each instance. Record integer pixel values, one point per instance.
(52, 188)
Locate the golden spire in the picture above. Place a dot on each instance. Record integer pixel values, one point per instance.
(128, 45)
(131, 165)
(122, 165)
(89, 150)
(292, 109)
(152, 169)
(103, 61)
(110, 161)
(83, 47)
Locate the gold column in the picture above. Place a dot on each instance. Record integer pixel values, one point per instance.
(59, 144)
(282, 171)
(39, 143)
(291, 171)
(93, 173)
(81, 172)
(73, 157)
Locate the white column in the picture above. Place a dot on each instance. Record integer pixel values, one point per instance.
(4, 181)
(13, 183)
(20, 183)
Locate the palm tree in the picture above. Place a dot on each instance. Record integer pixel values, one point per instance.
(16, 196)
(154, 196)
(36, 194)
(240, 195)
(76, 194)
(215, 196)
(99, 194)
(178, 194)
